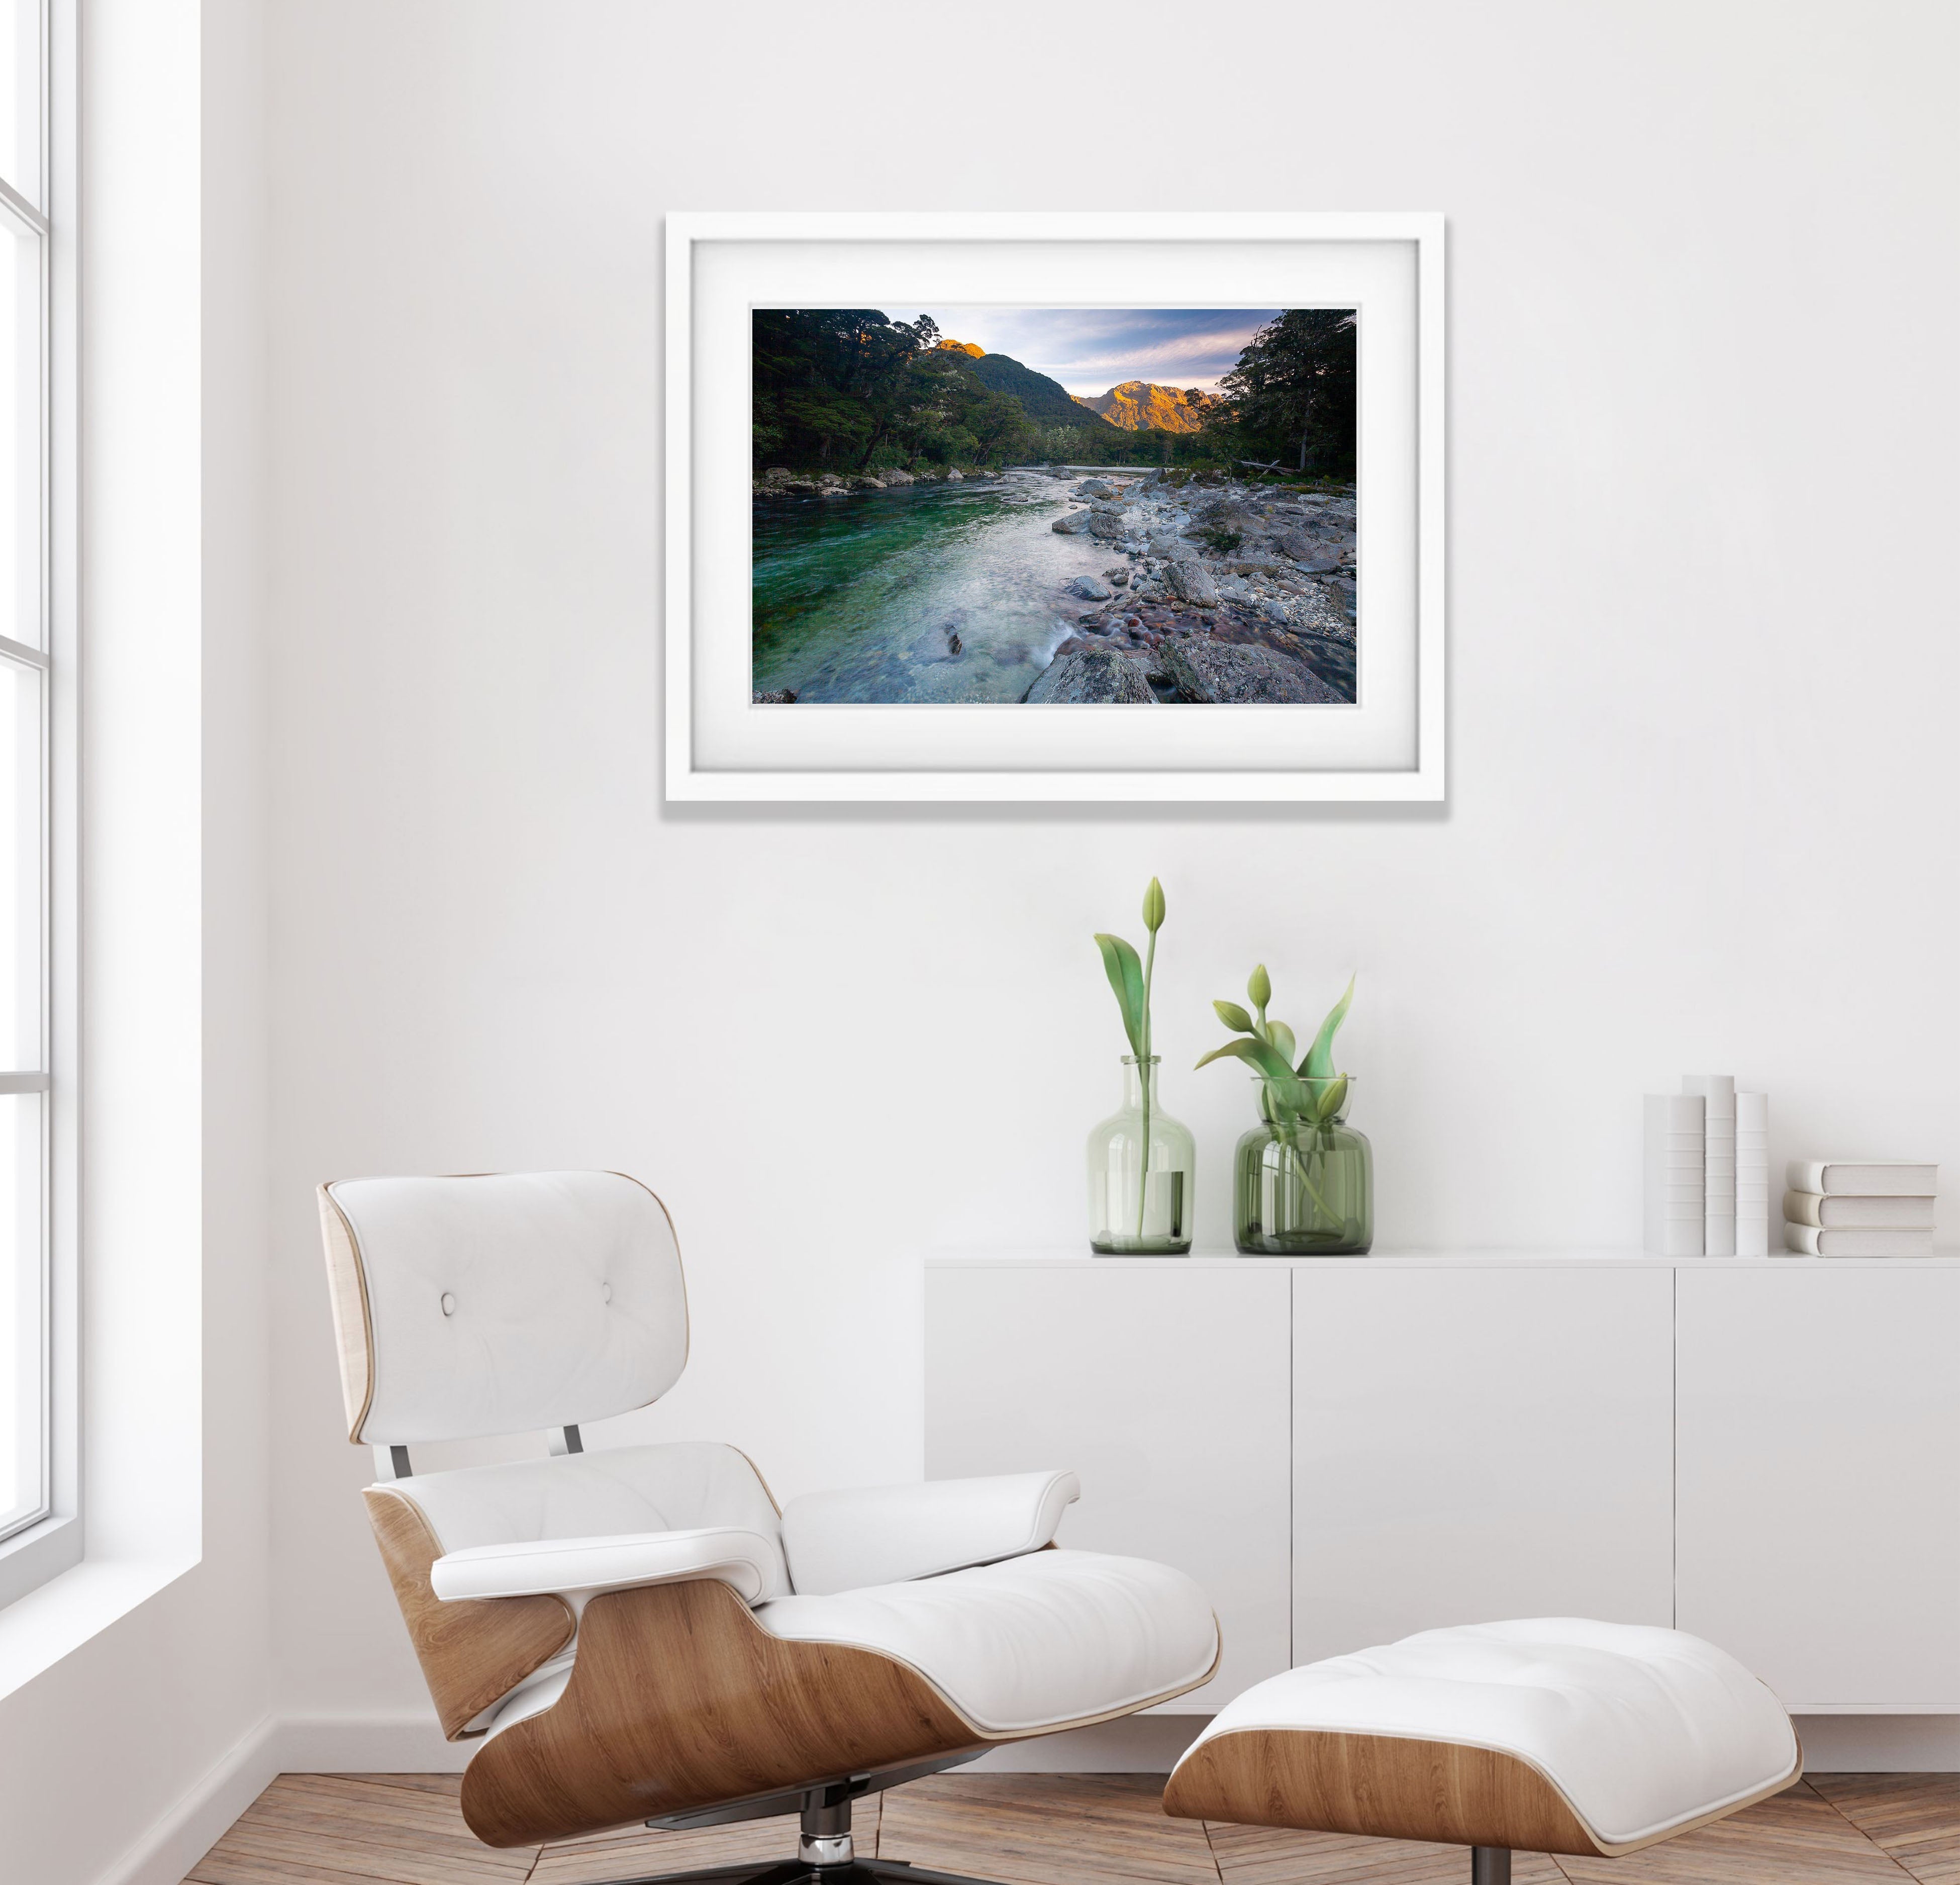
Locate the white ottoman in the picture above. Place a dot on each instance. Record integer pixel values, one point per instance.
(1549, 1735)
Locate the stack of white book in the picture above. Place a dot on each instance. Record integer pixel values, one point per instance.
(1676, 1194)
(1707, 1170)
(1873, 1207)
(1752, 1174)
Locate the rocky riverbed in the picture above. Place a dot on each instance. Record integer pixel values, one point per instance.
(784, 483)
(1051, 585)
(1225, 594)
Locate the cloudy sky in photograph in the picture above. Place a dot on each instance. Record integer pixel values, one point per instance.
(1091, 349)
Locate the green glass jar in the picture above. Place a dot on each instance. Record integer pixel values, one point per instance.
(1141, 1163)
(1303, 1190)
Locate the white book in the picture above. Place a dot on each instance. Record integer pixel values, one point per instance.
(1717, 1094)
(1752, 1174)
(1843, 1212)
(1868, 1178)
(1676, 1205)
(1809, 1240)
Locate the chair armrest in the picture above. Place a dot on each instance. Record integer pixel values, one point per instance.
(566, 1567)
(891, 1534)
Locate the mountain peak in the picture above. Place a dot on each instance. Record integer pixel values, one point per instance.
(1139, 406)
(962, 346)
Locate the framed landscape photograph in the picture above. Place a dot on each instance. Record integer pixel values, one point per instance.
(1055, 507)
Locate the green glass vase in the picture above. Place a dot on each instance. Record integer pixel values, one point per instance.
(1302, 1190)
(1141, 1162)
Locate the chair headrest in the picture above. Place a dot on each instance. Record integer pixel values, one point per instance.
(500, 1304)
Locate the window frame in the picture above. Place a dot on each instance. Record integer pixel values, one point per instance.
(39, 1548)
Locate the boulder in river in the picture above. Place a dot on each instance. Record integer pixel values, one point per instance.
(1096, 488)
(1119, 577)
(1097, 676)
(1090, 590)
(1224, 673)
(898, 477)
(1190, 582)
(1073, 524)
(953, 475)
(1107, 524)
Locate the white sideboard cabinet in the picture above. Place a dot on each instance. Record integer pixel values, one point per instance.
(1818, 1526)
(1479, 1442)
(1764, 1452)
(1167, 1386)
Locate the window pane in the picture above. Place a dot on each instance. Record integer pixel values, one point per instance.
(20, 455)
(21, 872)
(20, 97)
(23, 1341)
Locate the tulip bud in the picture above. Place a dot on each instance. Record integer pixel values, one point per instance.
(1234, 1016)
(1153, 907)
(1260, 987)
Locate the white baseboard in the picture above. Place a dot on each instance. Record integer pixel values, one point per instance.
(1880, 1743)
(200, 1819)
(1151, 1743)
(406, 1743)
(410, 1743)
(1138, 1744)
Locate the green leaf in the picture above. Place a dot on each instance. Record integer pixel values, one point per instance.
(1254, 1053)
(1318, 1064)
(1244, 1050)
(1234, 1016)
(1281, 1037)
(1125, 969)
(1153, 907)
(1260, 987)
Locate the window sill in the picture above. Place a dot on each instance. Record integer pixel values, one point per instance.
(41, 1552)
(37, 1630)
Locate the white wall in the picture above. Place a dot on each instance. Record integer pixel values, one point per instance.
(1703, 666)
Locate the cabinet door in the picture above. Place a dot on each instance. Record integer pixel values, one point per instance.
(1820, 1479)
(1164, 1384)
(1475, 1443)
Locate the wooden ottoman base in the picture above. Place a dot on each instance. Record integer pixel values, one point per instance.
(1556, 1736)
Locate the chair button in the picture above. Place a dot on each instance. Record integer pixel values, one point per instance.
(448, 1303)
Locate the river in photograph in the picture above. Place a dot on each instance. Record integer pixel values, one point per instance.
(949, 593)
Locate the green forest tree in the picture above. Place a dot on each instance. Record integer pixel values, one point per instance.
(1293, 391)
(846, 387)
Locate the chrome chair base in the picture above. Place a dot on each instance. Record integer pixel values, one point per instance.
(852, 1872)
(825, 1854)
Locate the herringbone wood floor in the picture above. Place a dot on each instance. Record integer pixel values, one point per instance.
(1074, 1829)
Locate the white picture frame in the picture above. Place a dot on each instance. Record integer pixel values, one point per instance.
(1387, 746)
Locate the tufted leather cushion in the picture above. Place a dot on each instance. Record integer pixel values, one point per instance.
(509, 1303)
(1643, 1730)
(1034, 1643)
